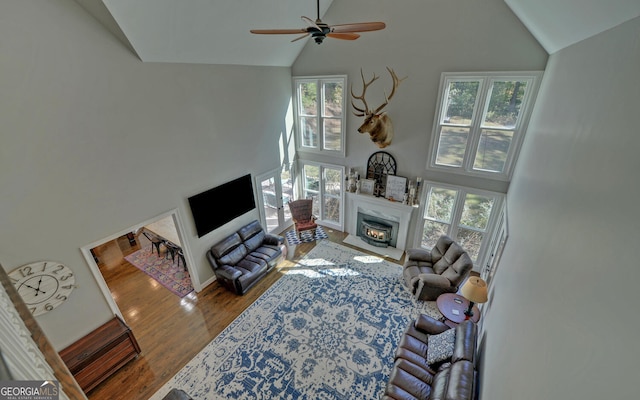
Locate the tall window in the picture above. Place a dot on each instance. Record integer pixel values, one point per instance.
(463, 214)
(324, 183)
(320, 122)
(480, 122)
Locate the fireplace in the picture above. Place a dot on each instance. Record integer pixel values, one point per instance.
(379, 214)
(375, 233)
(377, 228)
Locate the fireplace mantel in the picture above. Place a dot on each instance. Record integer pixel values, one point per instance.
(363, 202)
(381, 201)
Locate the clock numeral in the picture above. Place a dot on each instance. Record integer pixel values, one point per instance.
(67, 287)
(32, 309)
(61, 297)
(26, 271)
(57, 270)
(44, 267)
(65, 277)
(48, 307)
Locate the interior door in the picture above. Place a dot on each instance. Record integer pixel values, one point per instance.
(275, 189)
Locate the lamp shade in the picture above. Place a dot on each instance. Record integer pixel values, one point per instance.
(475, 290)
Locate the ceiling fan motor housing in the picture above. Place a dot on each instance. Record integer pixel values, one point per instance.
(319, 36)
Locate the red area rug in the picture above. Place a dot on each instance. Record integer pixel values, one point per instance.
(163, 270)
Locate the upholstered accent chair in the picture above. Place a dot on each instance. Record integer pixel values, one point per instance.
(428, 274)
(302, 215)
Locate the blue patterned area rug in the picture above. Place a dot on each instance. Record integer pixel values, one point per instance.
(328, 329)
(305, 236)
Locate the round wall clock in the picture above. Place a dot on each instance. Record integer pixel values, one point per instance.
(43, 285)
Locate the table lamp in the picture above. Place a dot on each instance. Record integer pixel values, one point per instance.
(474, 290)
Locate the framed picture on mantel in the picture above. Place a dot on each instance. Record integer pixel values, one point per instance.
(367, 186)
(396, 186)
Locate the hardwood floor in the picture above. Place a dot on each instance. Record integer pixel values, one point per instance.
(171, 330)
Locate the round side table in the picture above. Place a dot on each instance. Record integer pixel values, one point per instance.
(453, 306)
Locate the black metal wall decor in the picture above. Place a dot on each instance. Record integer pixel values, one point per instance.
(379, 165)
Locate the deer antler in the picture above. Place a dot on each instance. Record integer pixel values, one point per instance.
(396, 82)
(365, 85)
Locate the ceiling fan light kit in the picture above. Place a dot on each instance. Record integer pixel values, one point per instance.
(319, 30)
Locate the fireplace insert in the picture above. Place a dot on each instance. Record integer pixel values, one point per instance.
(375, 233)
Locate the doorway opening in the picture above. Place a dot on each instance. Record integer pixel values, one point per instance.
(163, 323)
(108, 263)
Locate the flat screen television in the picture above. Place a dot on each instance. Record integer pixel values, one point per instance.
(217, 206)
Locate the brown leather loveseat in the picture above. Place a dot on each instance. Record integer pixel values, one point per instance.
(453, 378)
(243, 258)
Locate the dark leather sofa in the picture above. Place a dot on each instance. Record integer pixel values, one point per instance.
(452, 379)
(243, 258)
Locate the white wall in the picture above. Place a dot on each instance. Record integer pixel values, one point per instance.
(93, 141)
(422, 39)
(562, 322)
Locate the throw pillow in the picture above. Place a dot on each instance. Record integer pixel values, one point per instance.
(440, 347)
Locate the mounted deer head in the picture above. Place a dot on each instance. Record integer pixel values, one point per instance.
(376, 122)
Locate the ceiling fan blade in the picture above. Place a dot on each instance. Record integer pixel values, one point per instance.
(278, 31)
(301, 37)
(311, 23)
(358, 27)
(343, 36)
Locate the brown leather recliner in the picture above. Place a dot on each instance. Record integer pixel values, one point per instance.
(177, 394)
(428, 274)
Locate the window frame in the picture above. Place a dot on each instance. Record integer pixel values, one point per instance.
(485, 80)
(456, 216)
(319, 148)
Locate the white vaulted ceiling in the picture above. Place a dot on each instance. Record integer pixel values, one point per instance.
(217, 31)
(208, 31)
(560, 23)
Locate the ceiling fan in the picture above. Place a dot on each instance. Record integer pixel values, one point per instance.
(318, 30)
